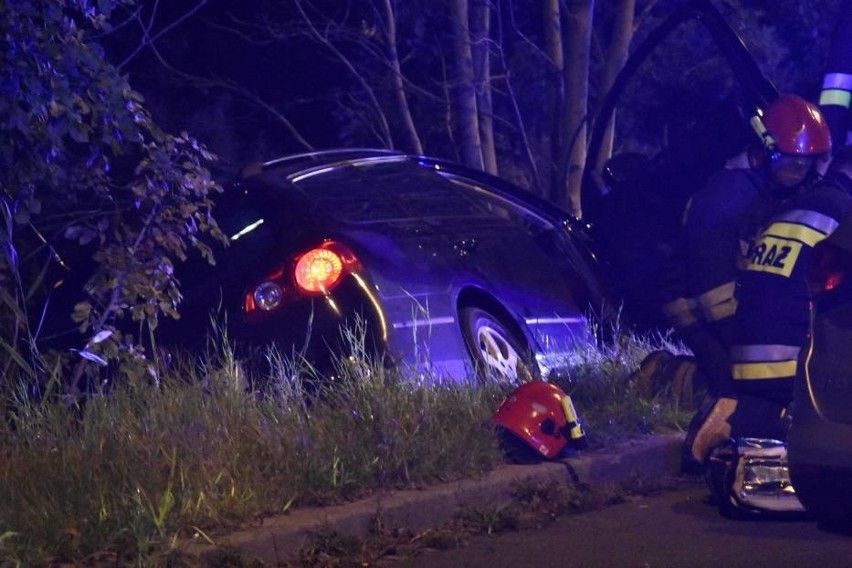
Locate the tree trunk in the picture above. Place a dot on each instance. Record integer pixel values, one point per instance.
(616, 55)
(555, 94)
(398, 84)
(317, 33)
(480, 32)
(465, 92)
(578, 30)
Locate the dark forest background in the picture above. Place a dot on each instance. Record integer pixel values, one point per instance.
(259, 78)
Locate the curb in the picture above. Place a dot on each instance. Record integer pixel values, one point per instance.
(279, 538)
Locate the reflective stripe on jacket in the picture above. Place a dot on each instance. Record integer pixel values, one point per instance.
(772, 294)
(836, 94)
(761, 362)
(716, 224)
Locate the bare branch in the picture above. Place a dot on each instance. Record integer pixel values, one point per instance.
(148, 39)
(239, 90)
(448, 107)
(132, 17)
(524, 37)
(643, 13)
(399, 86)
(325, 42)
(516, 110)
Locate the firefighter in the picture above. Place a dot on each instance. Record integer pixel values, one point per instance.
(836, 94)
(773, 311)
(719, 223)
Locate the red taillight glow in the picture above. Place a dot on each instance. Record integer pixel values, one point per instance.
(318, 270)
(315, 272)
(248, 303)
(832, 281)
(829, 268)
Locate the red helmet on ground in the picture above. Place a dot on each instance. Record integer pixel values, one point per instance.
(792, 125)
(540, 415)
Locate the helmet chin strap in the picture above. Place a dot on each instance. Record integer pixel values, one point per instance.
(822, 164)
(756, 156)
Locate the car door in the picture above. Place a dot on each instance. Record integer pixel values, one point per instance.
(513, 253)
(675, 125)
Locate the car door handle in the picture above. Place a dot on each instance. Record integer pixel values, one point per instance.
(464, 247)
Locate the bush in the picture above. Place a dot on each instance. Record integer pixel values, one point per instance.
(96, 201)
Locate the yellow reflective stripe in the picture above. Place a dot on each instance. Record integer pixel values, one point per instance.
(817, 221)
(720, 311)
(575, 429)
(836, 97)
(680, 313)
(717, 295)
(760, 371)
(837, 81)
(677, 306)
(765, 352)
(682, 320)
(797, 232)
(719, 302)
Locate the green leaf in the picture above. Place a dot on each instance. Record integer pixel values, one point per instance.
(82, 311)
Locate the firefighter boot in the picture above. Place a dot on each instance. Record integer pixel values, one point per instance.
(647, 379)
(710, 429)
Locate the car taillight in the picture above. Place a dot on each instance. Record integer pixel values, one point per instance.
(268, 295)
(315, 272)
(318, 270)
(829, 268)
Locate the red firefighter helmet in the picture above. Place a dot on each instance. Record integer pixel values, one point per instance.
(792, 125)
(540, 415)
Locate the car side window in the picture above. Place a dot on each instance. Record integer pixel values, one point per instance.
(553, 240)
(497, 207)
(386, 191)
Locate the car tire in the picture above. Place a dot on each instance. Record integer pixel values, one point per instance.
(498, 354)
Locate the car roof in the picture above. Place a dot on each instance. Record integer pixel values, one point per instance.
(298, 164)
(300, 167)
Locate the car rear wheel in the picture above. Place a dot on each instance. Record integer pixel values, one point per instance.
(498, 354)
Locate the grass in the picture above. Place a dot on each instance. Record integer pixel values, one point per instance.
(611, 403)
(195, 452)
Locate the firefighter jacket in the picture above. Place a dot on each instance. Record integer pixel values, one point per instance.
(836, 94)
(717, 228)
(773, 297)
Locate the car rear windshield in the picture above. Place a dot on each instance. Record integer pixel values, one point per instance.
(385, 191)
(257, 215)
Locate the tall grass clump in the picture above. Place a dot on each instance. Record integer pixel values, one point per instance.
(611, 404)
(197, 452)
(209, 442)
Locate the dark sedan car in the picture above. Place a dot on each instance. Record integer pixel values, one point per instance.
(441, 268)
(820, 443)
(440, 263)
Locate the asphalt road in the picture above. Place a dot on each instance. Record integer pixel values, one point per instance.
(679, 528)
